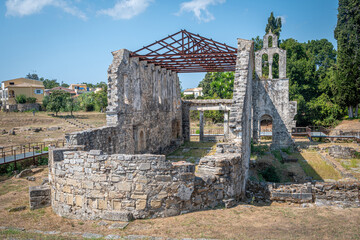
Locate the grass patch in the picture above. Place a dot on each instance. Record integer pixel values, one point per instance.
(196, 150)
(349, 164)
(277, 155)
(17, 234)
(315, 167)
(6, 187)
(259, 149)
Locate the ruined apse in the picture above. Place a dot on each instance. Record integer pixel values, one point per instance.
(271, 95)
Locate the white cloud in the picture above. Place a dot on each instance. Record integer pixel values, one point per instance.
(28, 7)
(200, 8)
(283, 19)
(126, 9)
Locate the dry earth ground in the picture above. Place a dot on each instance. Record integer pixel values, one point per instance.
(22, 121)
(278, 221)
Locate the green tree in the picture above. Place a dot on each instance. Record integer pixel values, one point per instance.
(218, 85)
(347, 34)
(101, 99)
(258, 43)
(65, 85)
(57, 101)
(49, 84)
(32, 76)
(71, 104)
(274, 24)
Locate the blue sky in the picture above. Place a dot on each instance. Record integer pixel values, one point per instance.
(72, 40)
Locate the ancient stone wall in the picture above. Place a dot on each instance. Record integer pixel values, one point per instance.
(338, 151)
(92, 185)
(144, 112)
(271, 96)
(343, 194)
(240, 113)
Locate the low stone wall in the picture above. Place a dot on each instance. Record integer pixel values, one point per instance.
(338, 151)
(344, 194)
(28, 106)
(92, 185)
(107, 139)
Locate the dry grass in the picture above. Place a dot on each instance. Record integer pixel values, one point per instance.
(20, 120)
(316, 167)
(278, 221)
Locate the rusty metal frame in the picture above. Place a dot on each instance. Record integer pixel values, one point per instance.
(184, 52)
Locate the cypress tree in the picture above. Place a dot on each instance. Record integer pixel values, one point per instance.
(347, 34)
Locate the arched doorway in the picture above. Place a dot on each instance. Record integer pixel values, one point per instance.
(266, 128)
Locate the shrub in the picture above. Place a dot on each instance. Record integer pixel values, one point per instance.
(269, 174)
(31, 100)
(89, 107)
(43, 161)
(20, 99)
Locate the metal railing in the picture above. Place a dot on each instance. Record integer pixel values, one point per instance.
(16, 153)
(211, 131)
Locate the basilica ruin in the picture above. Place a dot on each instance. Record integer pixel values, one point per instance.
(119, 172)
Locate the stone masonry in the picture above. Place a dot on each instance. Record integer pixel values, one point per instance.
(271, 96)
(144, 110)
(92, 185)
(117, 172)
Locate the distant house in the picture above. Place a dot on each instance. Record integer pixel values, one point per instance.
(79, 88)
(48, 92)
(194, 91)
(21, 86)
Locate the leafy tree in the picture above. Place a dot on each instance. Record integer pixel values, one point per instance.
(49, 84)
(274, 24)
(101, 99)
(71, 104)
(218, 85)
(65, 85)
(347, 34)
(32, 76)
(57, 101)
(258, 43)
(87, 101)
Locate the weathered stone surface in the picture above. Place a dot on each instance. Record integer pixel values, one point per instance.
(271, 96)
(338, 151)
(24, 173)
(40, 196)
(118, 225)
(17, 209)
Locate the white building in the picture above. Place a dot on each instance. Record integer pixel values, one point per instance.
(194, 91)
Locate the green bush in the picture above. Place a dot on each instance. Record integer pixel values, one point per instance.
(20, 99)
(43, 160)
(269, 174)
(31, 100)
(89, 107)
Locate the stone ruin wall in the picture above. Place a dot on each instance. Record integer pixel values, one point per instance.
(341, 194)
(96, 183)
(92, 185)
(144, 113)
(271, 96)
(240, 113)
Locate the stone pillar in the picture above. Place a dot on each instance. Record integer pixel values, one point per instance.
(201, 126)
(226, 123)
